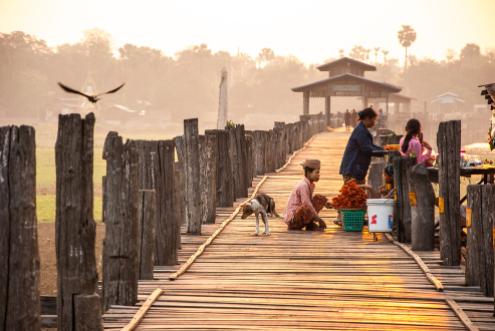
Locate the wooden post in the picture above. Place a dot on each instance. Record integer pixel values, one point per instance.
(480, 214)
(250, 158)
(120, 247)
(240, 138)
(375, 177)
(147, 234)
(156, 172)
(488, 216)
(179, 200)
(422, 201)
(167, 228)
(259, 141)
(449, 146)
(474, 226)
(208, 178)
(75, 227)
(180, 187)
(193, 196)
(19, 279)
(225, 189)
(402, 218)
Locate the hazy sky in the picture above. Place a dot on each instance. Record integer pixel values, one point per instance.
(309, 29)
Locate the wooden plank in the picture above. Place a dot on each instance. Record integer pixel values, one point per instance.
(433, 280)
(462, 315)
(142, 310)
(183, 268)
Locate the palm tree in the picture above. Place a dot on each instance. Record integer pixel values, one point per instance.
(376, 50)
(406, 37)
(385, 54)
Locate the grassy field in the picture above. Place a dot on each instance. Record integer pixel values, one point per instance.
(45, 183)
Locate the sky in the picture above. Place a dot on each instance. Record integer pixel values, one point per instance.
(311, 30)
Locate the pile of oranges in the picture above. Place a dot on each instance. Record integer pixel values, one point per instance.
(351, 196)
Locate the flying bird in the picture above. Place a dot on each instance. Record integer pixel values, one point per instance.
(91, 98)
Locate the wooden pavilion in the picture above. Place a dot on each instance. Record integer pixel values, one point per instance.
(346, 78)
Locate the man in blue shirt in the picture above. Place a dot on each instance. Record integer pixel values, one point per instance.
(360, 149)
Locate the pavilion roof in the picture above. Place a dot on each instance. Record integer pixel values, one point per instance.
(349, 61)
(385, 86)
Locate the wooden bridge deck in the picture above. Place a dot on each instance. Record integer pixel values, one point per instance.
(302, 280)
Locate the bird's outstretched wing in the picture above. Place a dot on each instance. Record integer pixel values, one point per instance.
(71, 90)
(113, 91)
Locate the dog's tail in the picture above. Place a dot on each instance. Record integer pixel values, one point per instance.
(273, 212)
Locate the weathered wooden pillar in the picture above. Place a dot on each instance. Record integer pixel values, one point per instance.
(208, 184)
(234, 165)
(75, 227)
(250, 158)
(480, 215)
(225, 188)
(193, 195)
(474, 227)
(240, 138)
(146, 231)
(156, 172)
(488, 215)
(259, 141)
(375, 177)
(180, 187)
(19, 279)
(449, 146)
(422, 201)
(402, 218)
(167, 229)
(179, 200)
(120, 246)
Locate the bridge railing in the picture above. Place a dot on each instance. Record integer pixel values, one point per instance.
(150, 190)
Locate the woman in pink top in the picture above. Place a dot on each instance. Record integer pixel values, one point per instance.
(413, 145)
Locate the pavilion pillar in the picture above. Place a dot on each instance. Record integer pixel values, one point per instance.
(328, 108)
(365, 102)
(386, 105)
(306, 103)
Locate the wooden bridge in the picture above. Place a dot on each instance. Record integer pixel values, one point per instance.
(302, 280)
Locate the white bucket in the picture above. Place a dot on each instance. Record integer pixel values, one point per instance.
(380, 215)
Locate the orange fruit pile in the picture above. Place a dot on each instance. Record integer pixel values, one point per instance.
(392, 147)
(351, 196)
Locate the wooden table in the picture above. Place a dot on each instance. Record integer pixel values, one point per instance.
(487, 173)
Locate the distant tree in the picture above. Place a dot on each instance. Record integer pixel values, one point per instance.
(358, 52)
(407, 36)
(470, 52)
(376, 50)
(385, 54)
(341, 52)
(265, 56)
(450, 55)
